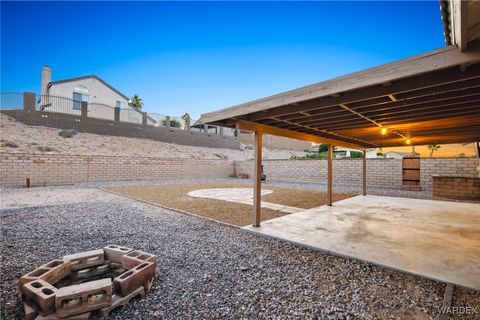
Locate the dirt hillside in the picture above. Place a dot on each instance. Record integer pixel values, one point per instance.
(17, 137)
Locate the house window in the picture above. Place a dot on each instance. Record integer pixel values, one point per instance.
(80, 94)
(120, 104)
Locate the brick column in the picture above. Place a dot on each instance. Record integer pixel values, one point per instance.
(28, 102)
(144, 118)
(84, 114)
(221, 131)
(205, 129)
(167, 121)
(116, 115)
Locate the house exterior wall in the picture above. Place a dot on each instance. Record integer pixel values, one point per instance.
(99, 92)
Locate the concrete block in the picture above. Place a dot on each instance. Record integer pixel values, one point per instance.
(141, 275)
(115, 253)
(119, 301)
(30, 312)
(53, 316)
(135, 257)
(91, 272)
(82, 298)
(41, 296)
(85, 259)
(51, 272)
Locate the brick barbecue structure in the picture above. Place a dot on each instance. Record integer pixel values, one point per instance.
(93, 281)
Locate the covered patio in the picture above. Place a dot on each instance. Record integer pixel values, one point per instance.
(432, 98)
(435, 239)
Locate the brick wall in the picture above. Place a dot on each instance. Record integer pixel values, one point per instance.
(455, 167)
(65, 169)
(381, 173)
(62, 169)
(346, 172)
(460, 188)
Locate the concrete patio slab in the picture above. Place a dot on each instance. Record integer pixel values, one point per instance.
(439, 240)
(241, 195)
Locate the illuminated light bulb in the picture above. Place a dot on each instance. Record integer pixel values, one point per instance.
(408, 141)
(383, 131)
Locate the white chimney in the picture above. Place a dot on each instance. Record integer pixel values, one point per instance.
(46, 79)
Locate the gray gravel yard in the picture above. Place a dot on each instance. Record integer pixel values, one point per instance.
(208, 270)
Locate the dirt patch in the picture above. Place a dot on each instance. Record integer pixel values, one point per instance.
(175, 196)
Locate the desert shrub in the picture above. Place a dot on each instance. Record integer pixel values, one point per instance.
(173, 123)
(11, 144)
(312, 156)
(67, 133)
(356, 154)
(46, 149)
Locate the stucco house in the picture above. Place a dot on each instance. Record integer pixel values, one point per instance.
(66, 96)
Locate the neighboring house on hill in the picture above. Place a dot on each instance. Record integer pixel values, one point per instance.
(342, 152)
(66, 96)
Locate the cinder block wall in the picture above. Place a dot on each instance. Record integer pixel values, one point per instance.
(452, 167)
(66, 169)
(461, 188)
(381, 173)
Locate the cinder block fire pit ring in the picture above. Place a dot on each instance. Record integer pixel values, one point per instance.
(92, 281)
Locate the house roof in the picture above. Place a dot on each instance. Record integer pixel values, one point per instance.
(92, 76)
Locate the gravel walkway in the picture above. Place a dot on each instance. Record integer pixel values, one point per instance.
(208, 270)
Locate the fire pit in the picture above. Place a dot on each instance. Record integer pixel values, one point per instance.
(93, 281)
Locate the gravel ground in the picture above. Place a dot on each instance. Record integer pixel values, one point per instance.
(208, 270)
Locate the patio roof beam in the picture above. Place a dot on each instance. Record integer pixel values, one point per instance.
(401, 107)
(253, 126)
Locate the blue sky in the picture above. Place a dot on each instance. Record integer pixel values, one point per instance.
(198, 57)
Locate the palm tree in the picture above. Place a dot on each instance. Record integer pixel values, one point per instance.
(433, 148)
(186, 117)
(137, 102)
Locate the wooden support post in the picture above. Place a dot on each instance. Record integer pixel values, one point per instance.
(364, 178)
(330, 175)
(257, 179)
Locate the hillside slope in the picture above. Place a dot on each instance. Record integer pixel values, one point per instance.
(17, 137)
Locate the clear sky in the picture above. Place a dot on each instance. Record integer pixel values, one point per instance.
(198, 57)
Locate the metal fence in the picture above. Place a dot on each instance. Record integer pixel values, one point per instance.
(48, 103)
(160, 120)
(101, 111)
(11, 100)
(130, 115)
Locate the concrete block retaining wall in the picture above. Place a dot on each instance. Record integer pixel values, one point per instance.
(381, 173)
(65, 169)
